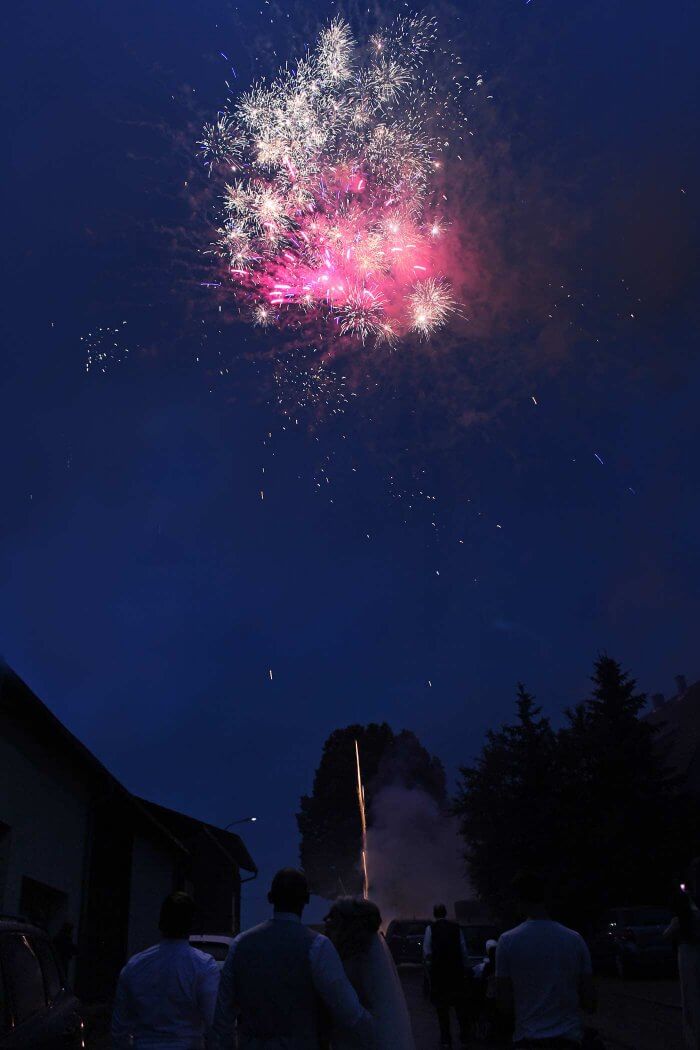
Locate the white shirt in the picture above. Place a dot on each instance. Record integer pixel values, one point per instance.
(545, 962)
(165, 998)
(428, 945)
(329, 980)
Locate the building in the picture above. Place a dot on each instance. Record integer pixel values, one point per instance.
(76, 846)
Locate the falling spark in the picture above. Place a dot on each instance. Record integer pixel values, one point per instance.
(363, 821)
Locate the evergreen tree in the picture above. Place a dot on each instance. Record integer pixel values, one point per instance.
(591, 806)
(616, 793)
(505, 802)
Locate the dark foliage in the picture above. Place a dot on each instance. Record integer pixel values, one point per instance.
(329, 822)
(590, 806)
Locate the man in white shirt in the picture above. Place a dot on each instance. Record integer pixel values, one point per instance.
(282, 984)
(543, 973)
(166, 995)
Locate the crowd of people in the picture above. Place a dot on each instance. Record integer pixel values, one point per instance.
(285, 986)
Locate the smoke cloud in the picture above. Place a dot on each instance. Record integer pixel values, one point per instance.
(414, 854)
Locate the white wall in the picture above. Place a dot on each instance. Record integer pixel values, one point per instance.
(152, 879)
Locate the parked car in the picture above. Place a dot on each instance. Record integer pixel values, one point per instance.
(630, 942)
(37, 1009)
(214, 944)
(405, 940)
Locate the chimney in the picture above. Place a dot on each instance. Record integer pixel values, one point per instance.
(657, 701)
(681, 684)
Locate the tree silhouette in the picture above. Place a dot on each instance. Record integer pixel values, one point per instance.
(505, 802)
(591, 806)
(329, 821)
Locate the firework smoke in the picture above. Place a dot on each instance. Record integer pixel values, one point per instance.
(330, 219)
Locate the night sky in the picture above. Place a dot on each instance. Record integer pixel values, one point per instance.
(148, 590)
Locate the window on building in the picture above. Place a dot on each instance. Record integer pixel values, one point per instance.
(49, 967)
(24, 981)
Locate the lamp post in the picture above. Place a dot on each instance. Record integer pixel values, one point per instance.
(243, 820)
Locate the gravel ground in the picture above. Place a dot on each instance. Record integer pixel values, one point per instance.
(632, 1015)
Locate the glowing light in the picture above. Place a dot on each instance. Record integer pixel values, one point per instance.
(363, 821)
(327, 213)
(432, 302)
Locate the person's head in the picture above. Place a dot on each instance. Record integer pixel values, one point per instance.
(176, 916)
(440, 911)
(289, 891)
(530, 892)
(351, 924)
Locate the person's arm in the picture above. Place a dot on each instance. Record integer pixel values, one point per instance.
(587, 995)
(336, 992)
(122, 1015)
(427, 944)
(223, 1029)
(464, 950)
(504, 983)
(207, 991)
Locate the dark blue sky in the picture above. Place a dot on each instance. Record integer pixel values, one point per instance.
(147, 590)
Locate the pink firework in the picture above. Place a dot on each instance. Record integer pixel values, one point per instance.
(331, 221)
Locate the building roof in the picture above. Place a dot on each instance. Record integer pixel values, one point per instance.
(25, 708)
(229, 844)
(677, 723)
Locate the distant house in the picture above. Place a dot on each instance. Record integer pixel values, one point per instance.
(76, 846)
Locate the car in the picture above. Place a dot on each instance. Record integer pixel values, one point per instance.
(629, 941)
(214, 944)
(405, 940)
(38, 1011)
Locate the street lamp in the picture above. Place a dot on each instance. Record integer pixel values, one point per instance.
(244, 820)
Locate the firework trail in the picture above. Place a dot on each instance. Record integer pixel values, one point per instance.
(363, 819)
(330, 218)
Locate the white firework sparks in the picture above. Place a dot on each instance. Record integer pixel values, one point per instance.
(431, 305)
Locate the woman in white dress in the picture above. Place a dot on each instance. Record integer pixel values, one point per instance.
(353, 925)
(685, 931)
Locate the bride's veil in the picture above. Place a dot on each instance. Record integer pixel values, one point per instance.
(391, 1019)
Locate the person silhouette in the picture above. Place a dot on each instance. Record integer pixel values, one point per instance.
(447, 961)
(282, 982)
(166, 995)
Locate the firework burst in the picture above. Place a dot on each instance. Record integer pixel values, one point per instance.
(330, 214)
(430, 303)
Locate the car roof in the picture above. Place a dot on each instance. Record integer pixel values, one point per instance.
(640, 907)
(407, 922)
(16, 924)
(213, 938)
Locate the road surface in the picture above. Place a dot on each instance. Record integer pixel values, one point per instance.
(632, 1015)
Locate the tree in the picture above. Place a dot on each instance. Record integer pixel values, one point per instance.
(505, 802)
(590, 806)
(617, 795)
(329, 820)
